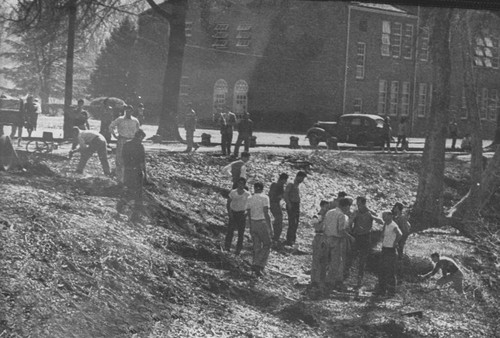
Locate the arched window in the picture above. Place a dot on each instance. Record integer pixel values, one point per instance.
(240, 103)
(220, 93)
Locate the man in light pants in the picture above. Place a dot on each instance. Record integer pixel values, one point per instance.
(127, 126)
(260, 227)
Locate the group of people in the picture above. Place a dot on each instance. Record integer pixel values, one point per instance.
(342, 236)
(227, 123)
(403, 130)
(27, 118)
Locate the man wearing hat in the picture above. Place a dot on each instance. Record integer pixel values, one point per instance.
(126, 126)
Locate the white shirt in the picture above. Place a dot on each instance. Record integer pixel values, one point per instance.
(228, 170)
(335, 222)
(390, 231)
(238, 202)
(126, 127)
(256, 204)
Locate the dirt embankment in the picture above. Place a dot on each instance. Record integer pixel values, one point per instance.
(71, 267)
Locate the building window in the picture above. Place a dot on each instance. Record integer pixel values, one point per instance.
(221, 36)
(243, 36)
(220, 93)
(240, 104)
(405, 99)
(360, 60)
(408, 42)
(386, 38)
(422, 99)
(382, 97)
(189, 29)
(424, 44)
(363, 25)
(493, 104)
(393, 108)
(483, 104)
(184, 87)
(396, 39)
(486, 52)
(463, 110)
(358, 105)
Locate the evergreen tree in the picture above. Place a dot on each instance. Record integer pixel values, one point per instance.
(115, 72)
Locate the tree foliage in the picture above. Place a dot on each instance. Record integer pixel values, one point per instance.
(115, 72)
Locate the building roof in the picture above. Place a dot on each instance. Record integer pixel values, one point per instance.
(384, 7)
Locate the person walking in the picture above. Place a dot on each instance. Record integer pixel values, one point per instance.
(260, 228)
(126, 126)
(190, 126)
(402, 134)
(236, 204)
(134, 175)
(292, 200)
(237, 169)
(245, 130)
(451, 272)
(387, 135)
(88, 142)
(336, 230)
(388, 259)
(360, 225)
(453, 130)
(276, 192)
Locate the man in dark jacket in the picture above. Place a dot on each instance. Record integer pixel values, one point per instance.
(245, 130)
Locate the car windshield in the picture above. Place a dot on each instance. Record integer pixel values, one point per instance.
(380, 123)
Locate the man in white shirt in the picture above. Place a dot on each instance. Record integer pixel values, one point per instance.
(389, 257)
(336, 225)
(260, 227)
(88, 142)
(236, 205)
(126, 126)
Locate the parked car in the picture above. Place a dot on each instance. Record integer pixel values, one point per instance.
(360, 129)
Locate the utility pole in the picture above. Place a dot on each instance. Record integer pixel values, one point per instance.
(68, 85)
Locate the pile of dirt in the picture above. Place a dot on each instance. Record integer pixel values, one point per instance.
(72, 267)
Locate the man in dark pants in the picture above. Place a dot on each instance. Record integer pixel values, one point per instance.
(276, 192)
(292, 199)
(361, 223)
(226, 122)
(236, 205)
(453, 129)
(389, 256)
(245, 130)
(87, 142)
(134, 176)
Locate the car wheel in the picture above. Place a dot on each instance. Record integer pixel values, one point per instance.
(313, 141)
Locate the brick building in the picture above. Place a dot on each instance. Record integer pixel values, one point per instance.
(290, 63)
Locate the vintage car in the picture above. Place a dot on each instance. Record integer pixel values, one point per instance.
(360, 129)
(11, 111)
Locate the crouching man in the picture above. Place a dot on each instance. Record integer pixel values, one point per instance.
(88, 142)
(450, 270)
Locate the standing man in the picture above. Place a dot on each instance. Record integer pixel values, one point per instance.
(134, 162)
(276, 192)
(245, 130)
(237, 169)
(292, 200)
(450, 270)
(81, 116)
(402, 134)
(336, 225)
(106, 119)
(361, 223)
(226, 121)
(388, 259)
(127, 126)
(453, 130)
(387, 136)
(403, 224)
(190, 127)
(31, 111)
(236, 205)
(260, 228)
(87, 142)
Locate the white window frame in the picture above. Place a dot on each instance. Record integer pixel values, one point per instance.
(382, 97)
(394, 98)
(424, 44)
(358, 105)
(493, 104)
(385, 48)
(396, 39)
(408, 41)
(220, 94)
(221, 36)
(360, 60)
(244, 35)
(188, 29)
(464, 114)
(422, 99)
(483, 110)
(240, 101)
(184, 86)
(405, 99)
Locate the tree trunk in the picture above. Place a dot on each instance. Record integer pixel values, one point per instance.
(428, 206)
(167, 127)
(68, 84)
